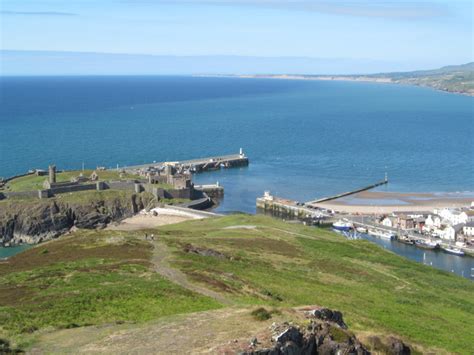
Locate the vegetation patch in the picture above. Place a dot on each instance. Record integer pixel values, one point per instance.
(85, 280)
(262, 313)
(376, 290)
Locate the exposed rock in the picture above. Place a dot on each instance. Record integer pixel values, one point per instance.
(389, 346)
(397, 347)
(290, 334)
(323, 335)
(36, 221)
(329, 315)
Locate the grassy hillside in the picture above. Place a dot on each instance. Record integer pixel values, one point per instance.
(89, 278)
(102, 277)
(453, 78)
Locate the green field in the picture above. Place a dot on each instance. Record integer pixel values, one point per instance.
(90, 278)
(100, 277)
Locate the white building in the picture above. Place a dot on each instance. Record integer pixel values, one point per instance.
(387, 222)
(453, 216)
(470, 215)
(432, 222)
(468, 229)
(449, 233)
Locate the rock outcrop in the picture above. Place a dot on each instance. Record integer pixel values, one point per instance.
(326, 333)
(36, 221)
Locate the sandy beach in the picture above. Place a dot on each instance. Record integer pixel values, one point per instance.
(373, 202)
(163, 216)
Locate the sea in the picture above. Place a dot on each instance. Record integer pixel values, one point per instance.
(305, 139)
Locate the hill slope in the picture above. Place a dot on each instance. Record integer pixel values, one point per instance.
(452, 78)
(105, 277)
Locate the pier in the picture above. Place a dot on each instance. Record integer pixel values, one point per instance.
(198, 165)
(289, 209)
(348, 193)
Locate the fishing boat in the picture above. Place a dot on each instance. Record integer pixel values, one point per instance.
(382, 234)
(342, 225)
(406, 240)
(453, 250)
(425, 244)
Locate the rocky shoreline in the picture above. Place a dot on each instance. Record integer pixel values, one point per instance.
(38, 221)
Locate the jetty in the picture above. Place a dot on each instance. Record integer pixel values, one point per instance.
(289, 209)
(348, 193)
(305, 211)
(197, 165)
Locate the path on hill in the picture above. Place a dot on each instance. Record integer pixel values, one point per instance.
(159, 259)
(222, 331)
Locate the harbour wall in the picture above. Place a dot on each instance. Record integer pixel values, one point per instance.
(330, 198)
(288, 209)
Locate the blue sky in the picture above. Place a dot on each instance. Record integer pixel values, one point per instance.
(397, 35)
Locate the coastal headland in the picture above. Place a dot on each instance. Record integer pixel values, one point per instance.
(223, 281)
(42, 205)
(458, 79)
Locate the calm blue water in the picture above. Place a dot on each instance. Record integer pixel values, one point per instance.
(463, 266)
(305, 139)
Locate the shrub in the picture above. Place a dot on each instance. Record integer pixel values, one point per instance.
(261, 314)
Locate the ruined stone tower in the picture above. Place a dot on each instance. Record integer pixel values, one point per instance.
(52, 174)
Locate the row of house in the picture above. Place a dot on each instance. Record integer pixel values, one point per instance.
(448, 223)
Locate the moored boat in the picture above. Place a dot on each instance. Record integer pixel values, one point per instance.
(342, 225)
(382, 234)
(406, 240)
(453, 250)
(361, 230)
(424, 244)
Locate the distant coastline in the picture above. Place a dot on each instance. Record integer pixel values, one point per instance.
(361, 78)
(456, 79)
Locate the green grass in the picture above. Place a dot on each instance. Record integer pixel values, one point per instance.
(79, 197)
(33, 182)
(376, 290)
(99, 277)
(91, 278)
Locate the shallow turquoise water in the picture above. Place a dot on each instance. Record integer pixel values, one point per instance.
(6, 252)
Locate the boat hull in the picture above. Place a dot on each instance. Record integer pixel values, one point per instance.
(342, 228)
(427, 246)
(454, 252)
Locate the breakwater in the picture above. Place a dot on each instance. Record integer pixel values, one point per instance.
(348, 193)
(289, 209)
(197, 165)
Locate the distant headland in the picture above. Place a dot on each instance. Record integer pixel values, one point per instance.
(457, 79)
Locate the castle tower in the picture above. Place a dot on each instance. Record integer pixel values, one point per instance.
(52, 174)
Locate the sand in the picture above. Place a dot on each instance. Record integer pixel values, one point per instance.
(147, 221)
(373, 202)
